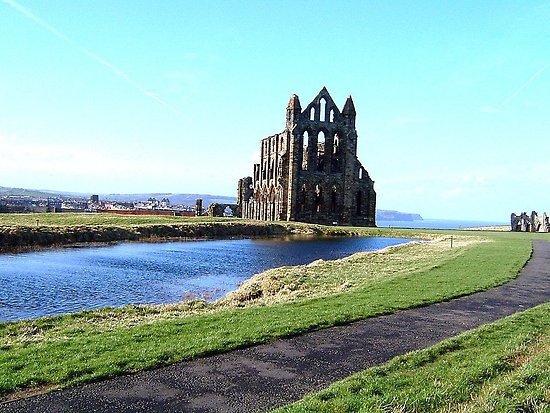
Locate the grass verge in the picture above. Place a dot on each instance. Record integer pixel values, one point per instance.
(500, 367)
(60, 351)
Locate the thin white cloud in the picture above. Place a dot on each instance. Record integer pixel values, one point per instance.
(98, 59)
(524, 85)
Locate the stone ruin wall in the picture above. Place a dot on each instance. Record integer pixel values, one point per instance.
(222, 210)
(310, 172)
(529, 223)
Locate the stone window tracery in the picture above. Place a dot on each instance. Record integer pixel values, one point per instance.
(335, 154)
(321, 150)
(318, 197)
(305, 140)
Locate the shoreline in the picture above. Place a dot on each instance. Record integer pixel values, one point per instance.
(500, 228)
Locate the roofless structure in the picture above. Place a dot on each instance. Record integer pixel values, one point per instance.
(310, 171)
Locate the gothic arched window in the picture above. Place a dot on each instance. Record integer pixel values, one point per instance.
(321, 151)
(305, 139)
(318, 198)
(322, 109)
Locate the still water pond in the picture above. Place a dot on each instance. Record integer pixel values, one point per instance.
(60, 281)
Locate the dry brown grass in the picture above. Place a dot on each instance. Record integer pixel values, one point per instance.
(321, 278)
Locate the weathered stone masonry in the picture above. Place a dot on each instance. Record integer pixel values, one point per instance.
(310, 171)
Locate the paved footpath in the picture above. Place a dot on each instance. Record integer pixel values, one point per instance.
(271, 375)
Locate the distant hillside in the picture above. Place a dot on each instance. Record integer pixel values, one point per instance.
(389, 215)
(32, 193)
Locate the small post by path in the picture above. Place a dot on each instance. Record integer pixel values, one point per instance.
(451, 241)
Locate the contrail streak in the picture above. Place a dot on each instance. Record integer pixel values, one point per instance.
(88, 53)
(522, 87)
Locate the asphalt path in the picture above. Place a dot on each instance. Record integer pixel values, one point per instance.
(270, 375)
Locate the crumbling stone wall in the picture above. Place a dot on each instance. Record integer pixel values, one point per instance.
(222, 210)
(529, 223)
(310, 172)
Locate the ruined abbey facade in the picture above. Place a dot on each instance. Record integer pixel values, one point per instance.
(310, 171)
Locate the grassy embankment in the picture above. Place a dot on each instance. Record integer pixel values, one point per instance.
(20, 232)
(59, 351)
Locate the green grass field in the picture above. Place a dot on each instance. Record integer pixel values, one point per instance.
(68, 219)
(54, 352)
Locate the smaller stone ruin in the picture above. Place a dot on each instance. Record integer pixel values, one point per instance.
(222, 210)
(216, 210)
(529, 223)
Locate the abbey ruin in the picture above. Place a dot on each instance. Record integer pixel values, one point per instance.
(310, 171)
(530, 223)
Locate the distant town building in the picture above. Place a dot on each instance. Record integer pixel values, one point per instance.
(63, 203)
(55, 204)
(310, 172)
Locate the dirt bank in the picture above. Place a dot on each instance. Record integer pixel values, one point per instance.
(21, 238)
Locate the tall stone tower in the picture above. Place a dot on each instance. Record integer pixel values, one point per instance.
(310, 171)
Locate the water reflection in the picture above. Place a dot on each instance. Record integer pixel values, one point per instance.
(53, 282)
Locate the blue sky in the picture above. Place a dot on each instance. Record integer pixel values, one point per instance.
(127, 96)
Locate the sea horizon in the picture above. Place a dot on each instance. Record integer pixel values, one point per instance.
(433, 223)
